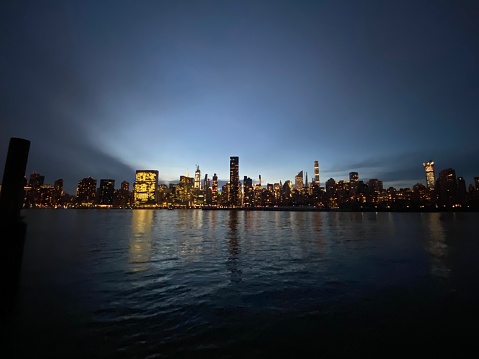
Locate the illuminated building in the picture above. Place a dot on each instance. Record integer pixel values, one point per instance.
(257, 200)
(225, 194)
(353, 177)
(298, 181)
(234, 187)
(316, 173)
(86, 191)
(287, 189)
(184, 190)
(268, 195)
(197, 177)
(476, 183)
(146, 188)
(36, 180)
(375, 188)
(58, 185)
(125, 197)
(106, 191)
(248, 191)
(430, 177)
(277, 192)
(188, 181)
(182, 194)
(163, 192)
(47, 195)
(446, 188)
(214, 190)
(330, 185)
(208, 191)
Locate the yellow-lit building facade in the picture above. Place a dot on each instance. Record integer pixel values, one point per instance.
(430, 176)
(146, 189)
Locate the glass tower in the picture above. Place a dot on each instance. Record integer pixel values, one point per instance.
(234, 197)
(430, 177)
(316, 173)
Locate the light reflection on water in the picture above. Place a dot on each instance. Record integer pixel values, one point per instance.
(146, 282)
(437, 246)
(141, 239)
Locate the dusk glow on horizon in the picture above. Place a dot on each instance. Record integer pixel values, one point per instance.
(103, 89)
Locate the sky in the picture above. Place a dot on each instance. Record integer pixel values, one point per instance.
(103, 88)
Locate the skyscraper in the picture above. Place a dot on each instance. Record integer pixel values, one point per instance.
(234, 195)
(247, 182)
(197, 177)
(298, 181)
(86, 191)
(36, 180)
(58, 190)
(146, 188)
(188, 181)
(461, 191)
(125, 186)
(125, 197)
(214, 190)
(316, 173)
(58, 185)
(330, 185)
(430, 177)
(106, 190)
(446, 187)
(353, 177)
(375, 186)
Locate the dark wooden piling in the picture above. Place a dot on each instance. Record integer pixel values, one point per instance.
(12, 228)
(12, 184)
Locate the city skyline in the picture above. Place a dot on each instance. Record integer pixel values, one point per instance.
(430, 176)
(448, 192)
(102, 91)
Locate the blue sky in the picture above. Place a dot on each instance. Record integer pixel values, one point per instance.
(103, 88)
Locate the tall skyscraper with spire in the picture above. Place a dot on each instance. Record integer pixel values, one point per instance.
(197, 177)
(234, 197)
(430, 176)
(316, 173)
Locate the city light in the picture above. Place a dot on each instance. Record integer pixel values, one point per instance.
(447, 192)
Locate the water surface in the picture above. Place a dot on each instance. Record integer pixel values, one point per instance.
(184, 283)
